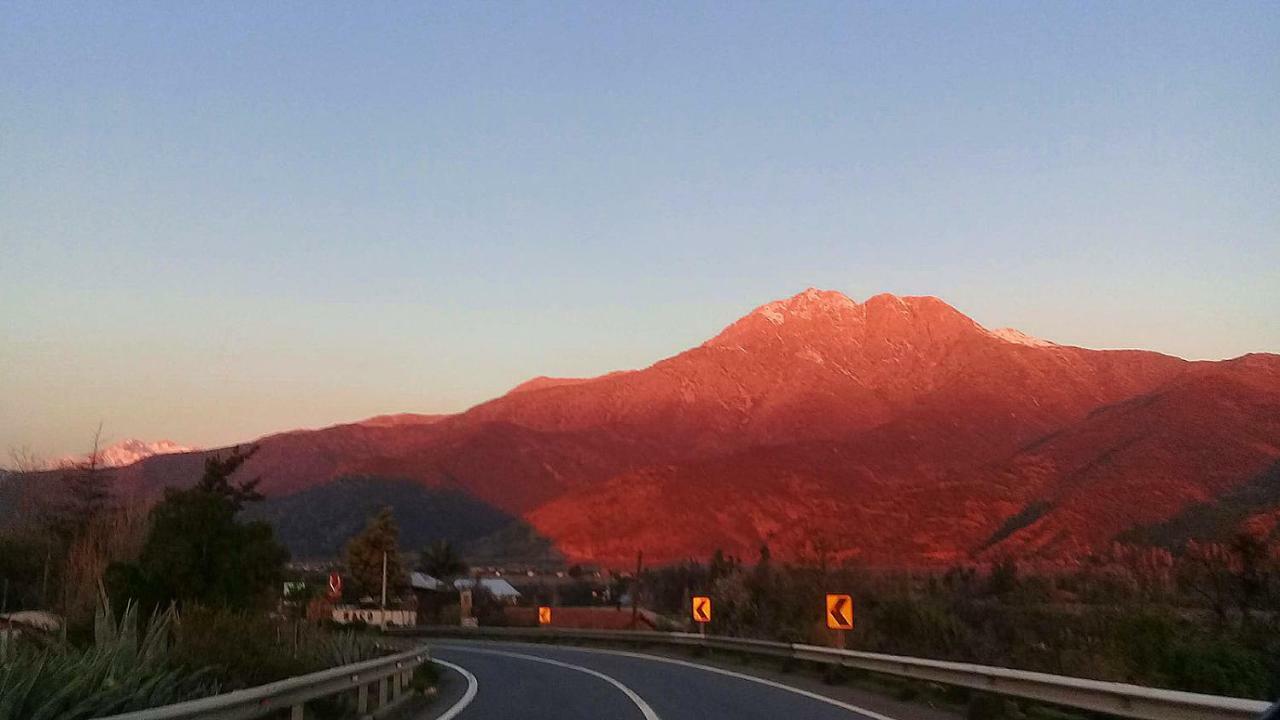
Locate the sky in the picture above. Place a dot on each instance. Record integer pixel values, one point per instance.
(220, 220)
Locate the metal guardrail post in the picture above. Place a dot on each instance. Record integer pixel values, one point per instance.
(362, 699)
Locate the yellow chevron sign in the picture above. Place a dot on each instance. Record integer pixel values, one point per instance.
(839, 612)
(701, 609)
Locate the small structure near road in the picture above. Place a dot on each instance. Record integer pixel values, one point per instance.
(346, 614)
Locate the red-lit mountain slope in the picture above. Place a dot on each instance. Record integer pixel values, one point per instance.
(896, 430)
(876, 499)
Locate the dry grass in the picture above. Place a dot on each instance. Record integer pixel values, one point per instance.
(115, 536)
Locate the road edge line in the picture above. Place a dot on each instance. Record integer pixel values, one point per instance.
(473, 687)
(638, 701)
(872, 714)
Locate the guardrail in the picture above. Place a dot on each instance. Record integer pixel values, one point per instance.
(391, 674)
(1130, 701)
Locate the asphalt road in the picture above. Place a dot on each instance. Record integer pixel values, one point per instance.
(515, 680)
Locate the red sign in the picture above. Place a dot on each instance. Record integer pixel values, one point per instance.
(335, 585)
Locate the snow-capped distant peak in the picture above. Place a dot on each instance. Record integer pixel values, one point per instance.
(127, 452)
(1017, 337)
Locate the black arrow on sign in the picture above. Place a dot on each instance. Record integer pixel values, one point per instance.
(701, 610)
(837, 612)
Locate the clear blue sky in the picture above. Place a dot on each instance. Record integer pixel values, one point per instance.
(219, 220)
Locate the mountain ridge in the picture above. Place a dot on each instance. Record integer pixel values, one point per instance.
(896, 430)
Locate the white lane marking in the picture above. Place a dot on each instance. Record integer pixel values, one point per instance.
(639, 702)
(811, 695)
(473, 686)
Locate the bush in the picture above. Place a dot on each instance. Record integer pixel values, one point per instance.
(1218, 668)
(985, 706)
(244, 649)
(241, 649)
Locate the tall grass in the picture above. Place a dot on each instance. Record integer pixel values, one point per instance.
(127, 669)
(243, 649)
(170, 659)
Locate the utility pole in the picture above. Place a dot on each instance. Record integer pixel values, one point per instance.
(384, 589)
(635, 590)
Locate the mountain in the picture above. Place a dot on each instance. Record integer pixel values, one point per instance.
(895, 431)
(318, 521)
(126, 452)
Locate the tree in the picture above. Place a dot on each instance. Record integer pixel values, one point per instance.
(441, 561)
(1004, 577)
(217, 478)
(197, 552)
(365, 552)
(88, 486)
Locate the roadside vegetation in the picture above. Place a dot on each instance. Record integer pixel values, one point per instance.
(1206, 619)
(154, 606)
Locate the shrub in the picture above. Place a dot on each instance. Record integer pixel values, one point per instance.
(244, 649)
(985, 706)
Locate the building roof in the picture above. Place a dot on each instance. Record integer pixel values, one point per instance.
(498, 587)
(423, 581)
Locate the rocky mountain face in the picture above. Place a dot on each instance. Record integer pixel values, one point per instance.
(895, 431)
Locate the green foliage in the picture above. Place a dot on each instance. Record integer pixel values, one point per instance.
(425, 676)
(441, 561)
(173, 658)
(243, 649)
(123, 671)
(1207, 620)
(196, 551)
(985, 706)
(365, 553)
(22, 557)
(1004, 577)
(217, 478)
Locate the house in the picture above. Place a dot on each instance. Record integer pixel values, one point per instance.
(426, 583)
(499, 588)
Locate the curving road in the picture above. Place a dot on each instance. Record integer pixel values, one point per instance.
(516, 680)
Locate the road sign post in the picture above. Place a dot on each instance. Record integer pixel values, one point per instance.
(839, 616)
(701, 612)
